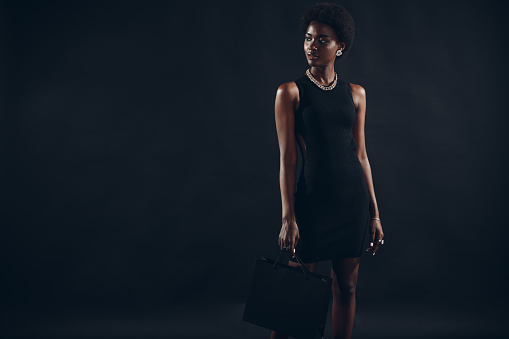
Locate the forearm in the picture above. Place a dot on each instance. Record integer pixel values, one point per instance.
(369, 183)
(287, 186)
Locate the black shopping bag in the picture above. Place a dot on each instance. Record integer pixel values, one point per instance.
(286, 299)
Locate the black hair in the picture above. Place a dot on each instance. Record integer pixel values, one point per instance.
(335, 16)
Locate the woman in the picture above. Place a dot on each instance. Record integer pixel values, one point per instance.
(333, 213)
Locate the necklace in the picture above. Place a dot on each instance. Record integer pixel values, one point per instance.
(325, 88)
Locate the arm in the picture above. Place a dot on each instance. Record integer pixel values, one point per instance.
(287, 98)
(359, 98)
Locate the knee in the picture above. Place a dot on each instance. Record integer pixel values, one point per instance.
(344, 289)
(347, 290)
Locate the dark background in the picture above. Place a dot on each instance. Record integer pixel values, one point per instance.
(140, 165)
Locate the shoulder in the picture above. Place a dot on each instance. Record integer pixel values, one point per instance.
(358, 94)
(288, 89)
(357, 90)
(288, 93)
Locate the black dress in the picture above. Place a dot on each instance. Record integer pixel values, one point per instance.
(331, 199)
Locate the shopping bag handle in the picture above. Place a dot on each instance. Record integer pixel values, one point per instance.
(301, 264)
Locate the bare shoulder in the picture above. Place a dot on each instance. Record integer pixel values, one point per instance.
(357, 90)
(358, 94)
(288, 89)
(288, 95)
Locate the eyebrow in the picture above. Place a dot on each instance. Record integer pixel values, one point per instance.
(321, 35)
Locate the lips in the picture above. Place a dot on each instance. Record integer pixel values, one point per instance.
(311, 55)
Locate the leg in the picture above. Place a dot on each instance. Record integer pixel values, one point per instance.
(312, 268)
(344, 280)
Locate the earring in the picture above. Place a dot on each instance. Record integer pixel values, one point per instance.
(338, 53)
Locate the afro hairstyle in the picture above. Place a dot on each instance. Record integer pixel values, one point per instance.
(335, 16)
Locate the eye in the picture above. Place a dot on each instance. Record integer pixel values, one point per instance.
(307, 38)
(324, 41)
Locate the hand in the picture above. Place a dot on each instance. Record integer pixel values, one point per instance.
(289, 235)
(376, 235)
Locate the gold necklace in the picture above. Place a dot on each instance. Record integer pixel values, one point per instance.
(325, 88)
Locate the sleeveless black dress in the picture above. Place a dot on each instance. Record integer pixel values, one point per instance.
(331, 199)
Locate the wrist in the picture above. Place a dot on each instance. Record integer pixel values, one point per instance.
(288, 218)
(373, 209)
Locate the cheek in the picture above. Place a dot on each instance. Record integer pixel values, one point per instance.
(332, 49)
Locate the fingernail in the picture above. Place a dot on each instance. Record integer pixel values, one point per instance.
(370, 244)
(373, 253)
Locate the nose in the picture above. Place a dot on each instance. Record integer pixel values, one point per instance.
(311, 48)
(313, 45)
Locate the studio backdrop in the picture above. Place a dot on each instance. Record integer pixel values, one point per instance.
(140, 163)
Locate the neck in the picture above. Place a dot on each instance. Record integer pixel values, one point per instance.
(324, 74)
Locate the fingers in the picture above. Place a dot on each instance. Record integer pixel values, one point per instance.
(288, 244)
(378, 242)
(376, 238)
(372, 236)
(377, 245)
(288, 237)
(292, 247)
(283, 244)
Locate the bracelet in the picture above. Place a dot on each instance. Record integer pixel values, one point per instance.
(375, 219)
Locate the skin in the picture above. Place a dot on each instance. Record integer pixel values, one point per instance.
(321, 42)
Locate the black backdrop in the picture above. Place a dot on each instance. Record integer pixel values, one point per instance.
(140, 164)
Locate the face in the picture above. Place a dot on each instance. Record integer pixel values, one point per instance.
(321, 44)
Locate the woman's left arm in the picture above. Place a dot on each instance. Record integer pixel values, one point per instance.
(359, 99)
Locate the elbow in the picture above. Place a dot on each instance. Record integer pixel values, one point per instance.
(363, 156)
(288, 161)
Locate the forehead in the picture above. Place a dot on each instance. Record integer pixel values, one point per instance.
(320, 28)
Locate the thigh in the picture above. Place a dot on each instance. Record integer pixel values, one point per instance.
(311, 266)
(345, 271)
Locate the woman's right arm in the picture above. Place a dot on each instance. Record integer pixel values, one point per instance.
(287, 100)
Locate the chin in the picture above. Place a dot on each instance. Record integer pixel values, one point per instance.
(315, 63)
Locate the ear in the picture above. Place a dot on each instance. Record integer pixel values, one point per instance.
(341, 46)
